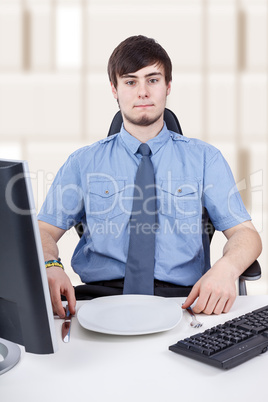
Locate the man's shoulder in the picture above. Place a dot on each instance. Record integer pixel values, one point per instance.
(94, 147)
(180, 139)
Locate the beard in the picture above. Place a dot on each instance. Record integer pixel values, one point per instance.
(143, 121)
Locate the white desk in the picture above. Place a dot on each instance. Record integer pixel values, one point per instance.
(104, 368)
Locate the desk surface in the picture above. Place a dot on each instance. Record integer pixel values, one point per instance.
(101, 368)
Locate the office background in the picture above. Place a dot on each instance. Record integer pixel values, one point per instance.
(55, 95)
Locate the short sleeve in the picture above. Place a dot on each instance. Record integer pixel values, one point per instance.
(221, 196)
(64, 203)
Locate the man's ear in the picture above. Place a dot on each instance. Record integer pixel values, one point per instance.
(169, 88)
(114, 91)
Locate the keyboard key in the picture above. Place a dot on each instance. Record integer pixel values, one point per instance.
(184, 344)
(258, 330)
(246, 327)
(197, 348)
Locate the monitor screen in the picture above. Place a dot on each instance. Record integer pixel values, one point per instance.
(26, 316)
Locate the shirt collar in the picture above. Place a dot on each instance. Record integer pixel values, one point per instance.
(155, 143)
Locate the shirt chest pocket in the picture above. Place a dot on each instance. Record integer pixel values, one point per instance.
(104, 198)
(180, 198)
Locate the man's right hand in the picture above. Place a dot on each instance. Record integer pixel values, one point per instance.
(60, 284)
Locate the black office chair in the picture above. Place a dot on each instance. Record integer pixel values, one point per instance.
(253, 272)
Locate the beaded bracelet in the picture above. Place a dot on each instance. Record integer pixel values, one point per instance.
(54, 263)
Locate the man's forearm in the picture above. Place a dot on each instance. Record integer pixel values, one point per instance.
(49, 238)
(50, 248)
(242, 248)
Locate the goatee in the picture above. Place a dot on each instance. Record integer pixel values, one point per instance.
(143, 121)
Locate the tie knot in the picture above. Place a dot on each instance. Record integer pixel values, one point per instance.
(144, 150)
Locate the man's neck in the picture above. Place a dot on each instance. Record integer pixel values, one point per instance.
(144, 133)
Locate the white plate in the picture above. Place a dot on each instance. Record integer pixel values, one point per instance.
(129, 314)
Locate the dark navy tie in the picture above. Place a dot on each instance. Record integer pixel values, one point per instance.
(139, 276)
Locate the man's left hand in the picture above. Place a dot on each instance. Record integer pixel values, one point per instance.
(216, 291)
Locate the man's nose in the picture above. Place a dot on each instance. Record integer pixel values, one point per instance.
(143, 91)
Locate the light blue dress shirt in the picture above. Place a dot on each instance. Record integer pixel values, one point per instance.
(95, 187)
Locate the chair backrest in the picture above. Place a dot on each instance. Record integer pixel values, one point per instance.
(170, 118)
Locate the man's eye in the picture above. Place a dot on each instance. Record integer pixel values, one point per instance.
(153, 80)
(130, 83)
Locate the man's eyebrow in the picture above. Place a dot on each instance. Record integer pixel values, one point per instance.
(155, 73)
(146, 76)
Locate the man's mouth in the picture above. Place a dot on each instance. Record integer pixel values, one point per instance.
(144, 106)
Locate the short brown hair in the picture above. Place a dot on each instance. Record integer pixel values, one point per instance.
(137, 52)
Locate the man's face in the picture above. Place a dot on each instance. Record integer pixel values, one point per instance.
(142, 95)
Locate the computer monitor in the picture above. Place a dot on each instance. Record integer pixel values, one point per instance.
(26, 316)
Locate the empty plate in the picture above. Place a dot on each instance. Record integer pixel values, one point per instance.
(129, 314)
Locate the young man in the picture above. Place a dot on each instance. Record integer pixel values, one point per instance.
(95, 186)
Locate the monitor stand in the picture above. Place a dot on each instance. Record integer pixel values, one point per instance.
(11, 354)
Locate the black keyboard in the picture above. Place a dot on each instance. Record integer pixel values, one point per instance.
(230, 344)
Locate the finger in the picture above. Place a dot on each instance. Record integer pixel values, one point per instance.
(213, 302)
(56, 302)
(52, 302)
(225, 302)
(228, 305)
(192, 296)
(70, 296)
(220, 306)
(202, 302)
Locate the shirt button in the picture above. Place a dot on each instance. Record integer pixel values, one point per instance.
(179, 190)
(106, 192)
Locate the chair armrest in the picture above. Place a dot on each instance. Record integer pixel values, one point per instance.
(252, 273)
(79, 229)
